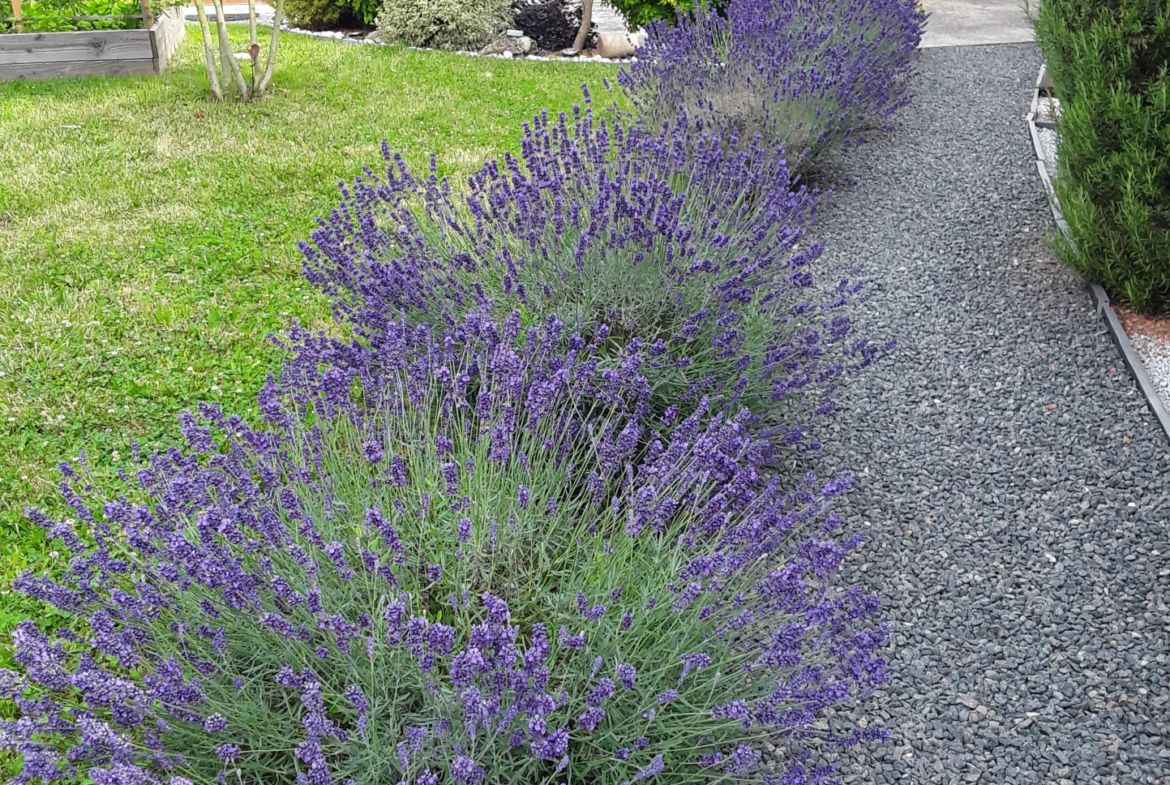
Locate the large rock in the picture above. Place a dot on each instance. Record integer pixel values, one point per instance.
(614, 45)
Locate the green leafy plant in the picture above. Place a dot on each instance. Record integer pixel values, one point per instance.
(443, 24)
(365, 10)
(50, 16)
(316, 14)
(326, 14)
(643, 12)
(1108, 63)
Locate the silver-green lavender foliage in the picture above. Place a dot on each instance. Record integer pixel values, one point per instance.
(443, 24)
(697, 251)
(480, 575)
(807, 74)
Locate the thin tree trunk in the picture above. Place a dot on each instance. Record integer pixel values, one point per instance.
(225, 50)
(254, 49)
(270, 66)
(586, 23)
(252, 21)
(209, 55)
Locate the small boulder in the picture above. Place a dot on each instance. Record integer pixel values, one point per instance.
(497, 46)
(570, 52)
(508, 46)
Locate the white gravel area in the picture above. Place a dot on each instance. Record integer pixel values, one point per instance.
(1049, 144)
(1048, 110)
(608, 19)
(1155, 354)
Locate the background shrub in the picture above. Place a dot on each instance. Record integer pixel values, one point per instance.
(804, 73)
(366, 10)
(443, 24)
(479, 582)
(317, 14)
(644, 12)
(1108, 63)
(552, 24)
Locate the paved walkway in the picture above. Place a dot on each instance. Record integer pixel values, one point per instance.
(1012, 488)
(969, 22)
(232, 12)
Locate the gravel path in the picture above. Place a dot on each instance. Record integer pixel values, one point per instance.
(1013, 489)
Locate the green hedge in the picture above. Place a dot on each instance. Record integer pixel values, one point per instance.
(320, 14)
(643, 12)
(1109, 67)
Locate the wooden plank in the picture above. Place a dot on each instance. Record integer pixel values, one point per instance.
(103, 45)
(175, 29)
(89, 17)
(165, 36)
(13, 72)
(152, 33)
(16, 16)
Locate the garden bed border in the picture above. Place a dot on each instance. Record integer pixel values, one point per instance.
(331, 35)
(1100, 298)
(92, 52)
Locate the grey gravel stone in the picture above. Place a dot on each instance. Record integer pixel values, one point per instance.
(1013, 489)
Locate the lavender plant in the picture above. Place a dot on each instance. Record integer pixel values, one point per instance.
(696, 250)
(804, 73)
(480, 579)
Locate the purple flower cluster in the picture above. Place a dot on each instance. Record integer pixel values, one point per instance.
(282, 604)
(522, 524)
(804, 73)
(686, 251)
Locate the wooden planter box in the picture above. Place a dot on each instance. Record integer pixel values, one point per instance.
(91, 52)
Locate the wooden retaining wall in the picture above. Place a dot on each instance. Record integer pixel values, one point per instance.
(91, 52)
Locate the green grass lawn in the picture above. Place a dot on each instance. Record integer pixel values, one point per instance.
(148, 237)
